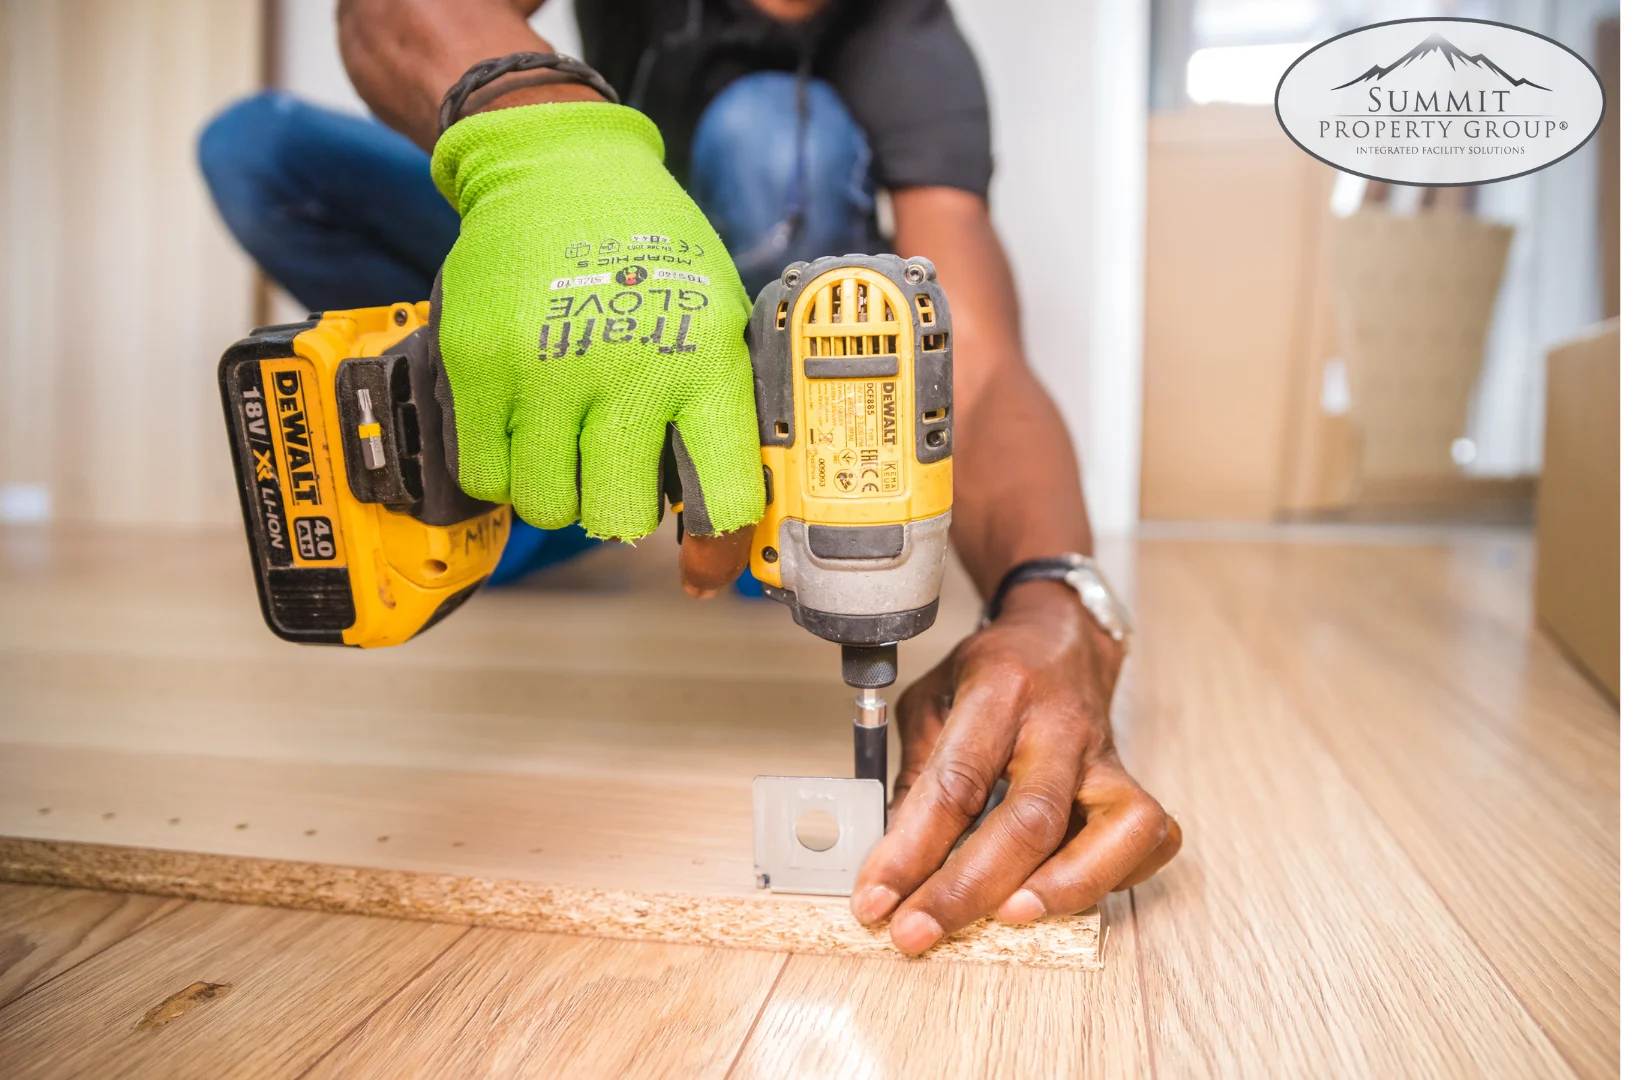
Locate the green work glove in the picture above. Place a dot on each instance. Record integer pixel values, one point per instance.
(586, 316)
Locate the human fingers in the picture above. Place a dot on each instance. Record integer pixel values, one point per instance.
(1127, 837)
(1008, 845)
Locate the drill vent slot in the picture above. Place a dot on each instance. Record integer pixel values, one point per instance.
(782, 314)
(934, 342)
(853, 345)
(923, 306)
(851, 331)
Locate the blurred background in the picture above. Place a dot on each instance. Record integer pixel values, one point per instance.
(1249, 336)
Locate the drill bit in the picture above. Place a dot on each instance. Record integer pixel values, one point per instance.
(870, 669)
(370, 431)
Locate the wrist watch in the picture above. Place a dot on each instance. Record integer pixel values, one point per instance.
(1080, 573)
(489, 71)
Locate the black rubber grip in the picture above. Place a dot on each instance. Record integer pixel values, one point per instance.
(869, 746)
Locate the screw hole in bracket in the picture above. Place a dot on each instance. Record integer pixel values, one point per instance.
(817, 830)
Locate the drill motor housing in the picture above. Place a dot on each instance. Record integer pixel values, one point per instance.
(854, 373)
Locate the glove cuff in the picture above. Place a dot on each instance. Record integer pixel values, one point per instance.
(473, 147)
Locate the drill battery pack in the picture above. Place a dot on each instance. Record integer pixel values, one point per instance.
(359, 534)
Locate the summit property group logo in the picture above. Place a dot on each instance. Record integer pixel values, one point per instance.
(1440, 101)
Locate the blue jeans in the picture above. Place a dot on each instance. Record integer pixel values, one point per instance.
(341, 211)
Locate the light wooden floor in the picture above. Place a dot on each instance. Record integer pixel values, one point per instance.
(1400, 803)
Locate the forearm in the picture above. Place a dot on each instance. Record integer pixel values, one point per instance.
(1017, 484)
(403, 55)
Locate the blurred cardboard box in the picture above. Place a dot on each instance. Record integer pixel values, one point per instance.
(1577, 513)
(1297, 363)
(1414, 297)
(1236, 300)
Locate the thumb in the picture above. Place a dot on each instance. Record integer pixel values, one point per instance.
(716, 445)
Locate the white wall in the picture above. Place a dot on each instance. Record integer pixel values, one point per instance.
(119, 287)
(1071, 214)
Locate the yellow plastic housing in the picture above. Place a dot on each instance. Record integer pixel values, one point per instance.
(400, 570)
(853, 460)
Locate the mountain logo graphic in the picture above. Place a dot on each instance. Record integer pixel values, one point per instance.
(1473, 102)
(1454, 57)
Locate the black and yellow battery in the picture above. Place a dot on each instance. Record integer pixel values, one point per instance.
(359, 535)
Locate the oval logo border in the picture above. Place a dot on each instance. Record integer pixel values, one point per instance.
(1605, 101)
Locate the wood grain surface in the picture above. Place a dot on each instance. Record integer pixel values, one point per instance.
(1400, 803)
(829, 1017)
(1524, 853)
(1294, 928)
(291, 984)
(44, 932)
(512, 1004)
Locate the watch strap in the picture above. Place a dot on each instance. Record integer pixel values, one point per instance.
(488, 71)
(1055, 568)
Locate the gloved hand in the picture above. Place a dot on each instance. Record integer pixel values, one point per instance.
(586, 314)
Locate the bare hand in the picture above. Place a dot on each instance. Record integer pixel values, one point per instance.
(1028, 698)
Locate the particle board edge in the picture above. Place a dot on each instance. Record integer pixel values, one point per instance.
(786, 925)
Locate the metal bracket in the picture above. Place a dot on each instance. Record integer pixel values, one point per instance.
(786, 841)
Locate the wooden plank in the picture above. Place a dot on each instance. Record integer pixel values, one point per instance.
(1494, 766)
(569, 751)
(251, 992)
(45, 932)
(756, 922)
(1293, 936)
(873, 1018)
(579, 720)
(502, 1003)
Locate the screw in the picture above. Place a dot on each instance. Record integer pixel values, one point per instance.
(769, 554)
(914, 273)
(791, 276)
(400, 316)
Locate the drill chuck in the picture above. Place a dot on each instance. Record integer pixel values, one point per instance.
(869, 666)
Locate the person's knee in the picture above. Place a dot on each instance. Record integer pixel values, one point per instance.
(750, 130)
(746, 161)
(240, 153)
(242, 142)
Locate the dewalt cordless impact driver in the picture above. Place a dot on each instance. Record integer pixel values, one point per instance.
(359, 534)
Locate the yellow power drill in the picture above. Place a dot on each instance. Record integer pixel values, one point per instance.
(853, 380)
(359, 535)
